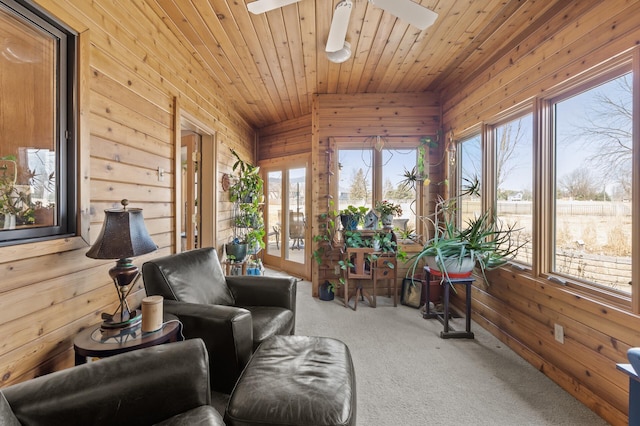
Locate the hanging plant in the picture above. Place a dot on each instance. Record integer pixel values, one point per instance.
(425, 142)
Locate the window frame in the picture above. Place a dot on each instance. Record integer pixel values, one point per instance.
(591, 80)
(544, 177)
(458, 178)
(66, 123)
(390, 143)
(491, 158)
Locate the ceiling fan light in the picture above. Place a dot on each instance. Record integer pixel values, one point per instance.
(339, 56)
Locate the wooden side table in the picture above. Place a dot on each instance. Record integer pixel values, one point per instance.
(98, 343)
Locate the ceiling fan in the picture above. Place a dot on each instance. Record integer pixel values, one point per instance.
(338, 49)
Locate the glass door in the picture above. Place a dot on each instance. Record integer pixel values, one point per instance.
(286, 217)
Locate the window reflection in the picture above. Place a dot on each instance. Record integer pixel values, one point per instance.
(28, 82)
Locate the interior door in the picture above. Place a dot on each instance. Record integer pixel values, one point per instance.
(286, 216)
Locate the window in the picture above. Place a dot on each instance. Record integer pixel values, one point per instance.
(37, 142)
(470, 170)
(395, 187)
(514, 180)
(593, 183)
(370, 175)
(355, 180)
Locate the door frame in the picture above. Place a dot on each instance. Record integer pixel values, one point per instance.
(191, 187)
(208, 203)
(302, 270)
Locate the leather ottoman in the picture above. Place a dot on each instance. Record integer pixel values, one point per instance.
(295, 380)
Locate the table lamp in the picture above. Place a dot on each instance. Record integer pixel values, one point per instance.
(123, 236)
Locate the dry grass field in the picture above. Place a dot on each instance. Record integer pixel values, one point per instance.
(593, 238)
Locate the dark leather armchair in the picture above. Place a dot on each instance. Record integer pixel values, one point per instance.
(165, 385)
(232, 314)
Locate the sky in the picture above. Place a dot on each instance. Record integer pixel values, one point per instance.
(572, 151)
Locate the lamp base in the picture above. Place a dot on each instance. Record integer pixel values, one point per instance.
(134, 318)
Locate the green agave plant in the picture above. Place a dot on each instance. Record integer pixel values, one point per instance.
(484, 239)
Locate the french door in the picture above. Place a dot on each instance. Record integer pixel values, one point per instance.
(287, 224)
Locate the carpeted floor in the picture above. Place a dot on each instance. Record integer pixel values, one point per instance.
(406, 375)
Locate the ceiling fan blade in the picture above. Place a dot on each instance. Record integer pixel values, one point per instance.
(262, 6)
(339, 26)
(408, 11)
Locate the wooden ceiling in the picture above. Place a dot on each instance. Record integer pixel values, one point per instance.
(272, 64)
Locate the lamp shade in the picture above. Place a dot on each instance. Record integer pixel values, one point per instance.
(123, 235)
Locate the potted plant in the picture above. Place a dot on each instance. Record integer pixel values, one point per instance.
(383, 242)
(248, 223)
(247, 186)
(325, 238)
(454, 251)
(326, 291)
(17, 206)
(351, 216)
(387, 211)
(413, 178)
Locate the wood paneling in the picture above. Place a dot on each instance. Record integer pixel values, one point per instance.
(519, 307)
(350, 120)
(272, 64)
(235, 72)
(133, 67)
(287, 138)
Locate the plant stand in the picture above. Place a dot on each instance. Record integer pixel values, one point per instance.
(443, 316)
(359, 272)
(233, 267)
(378, 270)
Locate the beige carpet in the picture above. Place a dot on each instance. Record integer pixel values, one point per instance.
(406, 375)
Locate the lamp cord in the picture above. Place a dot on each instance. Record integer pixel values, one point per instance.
(182, 338)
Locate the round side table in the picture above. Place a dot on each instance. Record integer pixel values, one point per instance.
(96, 342)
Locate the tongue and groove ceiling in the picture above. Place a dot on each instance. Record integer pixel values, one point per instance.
(272, 64)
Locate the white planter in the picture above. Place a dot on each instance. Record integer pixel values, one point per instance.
(387, 220)
(9, 221)
(455, 267)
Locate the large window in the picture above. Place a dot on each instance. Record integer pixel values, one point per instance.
(366, 176)
(580, 218)
(514, 180)
(37, 141)
(593, 183)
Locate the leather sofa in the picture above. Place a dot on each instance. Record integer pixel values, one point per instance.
(231, 314)
(165, 385)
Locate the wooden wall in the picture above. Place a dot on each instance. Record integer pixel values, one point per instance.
(349, 120)
(521, 308)
(285, 139)
(136, 80)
